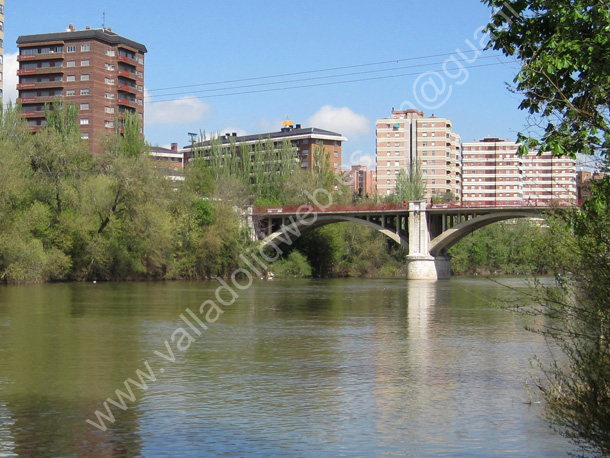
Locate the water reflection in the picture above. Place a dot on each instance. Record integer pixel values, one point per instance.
(297, 368)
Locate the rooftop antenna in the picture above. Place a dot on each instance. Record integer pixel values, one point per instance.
(104, 20)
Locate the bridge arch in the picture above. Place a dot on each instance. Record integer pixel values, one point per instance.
(451, 236)
(292, 230)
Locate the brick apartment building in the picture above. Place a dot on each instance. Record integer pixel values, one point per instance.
(408, 137)
(361, 181)
(493, 174)
(98, 71)
(305, 140)
(583, 181)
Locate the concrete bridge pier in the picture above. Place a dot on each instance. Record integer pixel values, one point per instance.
(420, 264)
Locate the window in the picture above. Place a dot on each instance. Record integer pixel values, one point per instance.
(70, 78)
(305, 152)
(84, 92)
(396, 144)
(109, 80)
(305, 164)
(85, 48)
(84, 121)
(110, 52)
(109, 67)
(109, 95)
(71, 63)
(84, 63)
(336, 165)
(85, 136)
(71, 48)
(109, 124)
(84, 106)
(70, 93)
(109, 110)
(84, 77)
(336, 153)
(396, 163)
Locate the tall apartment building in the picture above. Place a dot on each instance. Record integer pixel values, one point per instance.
(493, 174)
(361, 181)
(1, 47)
(307, 141)
(408, 137)
(97, 70)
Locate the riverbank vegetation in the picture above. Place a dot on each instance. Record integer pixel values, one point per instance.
(562, 47)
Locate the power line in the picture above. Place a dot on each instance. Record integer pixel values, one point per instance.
(305, 72)
(314, 85)
(309, 79)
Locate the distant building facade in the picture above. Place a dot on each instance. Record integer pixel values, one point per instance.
(98, 71)
(494, 174)
(361, 181)
(583, 181)
(311, 145)
(170, 161)
(408, 138)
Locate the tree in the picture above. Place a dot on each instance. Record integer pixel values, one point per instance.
(563, 47)
(410, 185)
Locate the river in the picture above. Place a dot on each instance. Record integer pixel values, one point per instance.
(292, 368)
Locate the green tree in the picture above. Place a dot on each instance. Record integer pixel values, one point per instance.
(562, 46)
(410, 184)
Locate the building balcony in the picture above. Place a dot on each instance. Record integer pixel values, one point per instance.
(40, 71)
(40, 85)
(126, 60)
(128, 88)
(126, 74)
(47, 56)
(127, 102)
(33, 114)
(46, 99)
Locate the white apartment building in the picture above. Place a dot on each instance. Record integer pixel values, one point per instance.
(494, 174)
(407, 137)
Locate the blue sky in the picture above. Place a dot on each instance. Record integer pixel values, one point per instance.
(195, 43)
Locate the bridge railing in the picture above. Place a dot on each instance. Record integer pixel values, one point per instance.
(347, 208)
(392, 207)
(508, 204)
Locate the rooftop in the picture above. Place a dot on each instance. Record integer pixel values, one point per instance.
(285, 133)
(105, 35)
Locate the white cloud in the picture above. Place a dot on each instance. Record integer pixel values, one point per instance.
(10, 77)
(183, 110)
(341, 120)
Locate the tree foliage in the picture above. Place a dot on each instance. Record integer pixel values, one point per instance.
(562, 46)
(410, 184)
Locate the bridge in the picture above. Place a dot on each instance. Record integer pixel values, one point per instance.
(426, 230)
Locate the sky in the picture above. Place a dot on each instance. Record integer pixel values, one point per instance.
(244, 66)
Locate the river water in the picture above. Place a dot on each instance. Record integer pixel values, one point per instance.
(292, 368)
